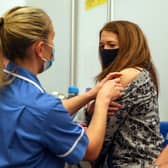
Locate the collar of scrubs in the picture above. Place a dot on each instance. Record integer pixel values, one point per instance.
(24, 74)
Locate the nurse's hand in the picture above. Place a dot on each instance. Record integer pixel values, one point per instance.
(110, 90)
(93, 92)
(106, 87)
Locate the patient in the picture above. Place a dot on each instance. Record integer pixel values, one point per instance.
(133, 138)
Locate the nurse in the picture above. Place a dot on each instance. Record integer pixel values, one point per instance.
(36, 129)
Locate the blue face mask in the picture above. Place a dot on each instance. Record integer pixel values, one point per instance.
(108, 56)
(48, 63)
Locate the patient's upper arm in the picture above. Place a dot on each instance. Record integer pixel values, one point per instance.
(128, 75)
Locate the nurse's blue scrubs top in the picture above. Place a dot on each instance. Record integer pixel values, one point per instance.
(36, 131)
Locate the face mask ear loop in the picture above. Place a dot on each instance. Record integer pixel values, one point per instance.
(44, 59)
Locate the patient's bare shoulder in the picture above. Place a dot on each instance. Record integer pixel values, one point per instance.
(128, 75)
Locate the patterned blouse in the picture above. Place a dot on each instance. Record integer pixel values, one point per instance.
(133, 136)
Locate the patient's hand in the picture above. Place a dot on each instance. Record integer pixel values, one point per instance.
(113, 108)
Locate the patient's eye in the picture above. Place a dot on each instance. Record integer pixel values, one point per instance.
(112, 46)
(101, 45)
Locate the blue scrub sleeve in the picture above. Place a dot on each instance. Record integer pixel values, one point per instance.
(62, 136)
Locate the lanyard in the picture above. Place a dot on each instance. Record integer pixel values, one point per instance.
(25, 79)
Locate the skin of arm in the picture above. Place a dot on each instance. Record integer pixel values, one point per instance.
(128, 75)
(162, 161)
(98, 123)
(75, 103)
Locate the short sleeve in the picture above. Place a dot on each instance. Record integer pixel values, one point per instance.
(61, 135)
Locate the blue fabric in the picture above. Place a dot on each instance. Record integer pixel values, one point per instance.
(164, 132)
(36, 131)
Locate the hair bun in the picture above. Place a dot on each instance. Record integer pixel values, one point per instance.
(1, 21)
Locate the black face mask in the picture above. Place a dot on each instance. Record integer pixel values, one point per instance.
(108, 56)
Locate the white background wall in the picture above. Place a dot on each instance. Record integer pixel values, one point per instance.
(4, 5)
(89, 23)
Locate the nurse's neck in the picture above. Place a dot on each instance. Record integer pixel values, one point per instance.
(29, 64)
(5, 61)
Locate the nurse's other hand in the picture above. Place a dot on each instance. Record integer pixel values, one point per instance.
(111, 90)
(93, 92)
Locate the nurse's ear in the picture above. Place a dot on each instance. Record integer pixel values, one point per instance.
(39, 48)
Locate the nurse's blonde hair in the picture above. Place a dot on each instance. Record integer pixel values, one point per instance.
(20, 27)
